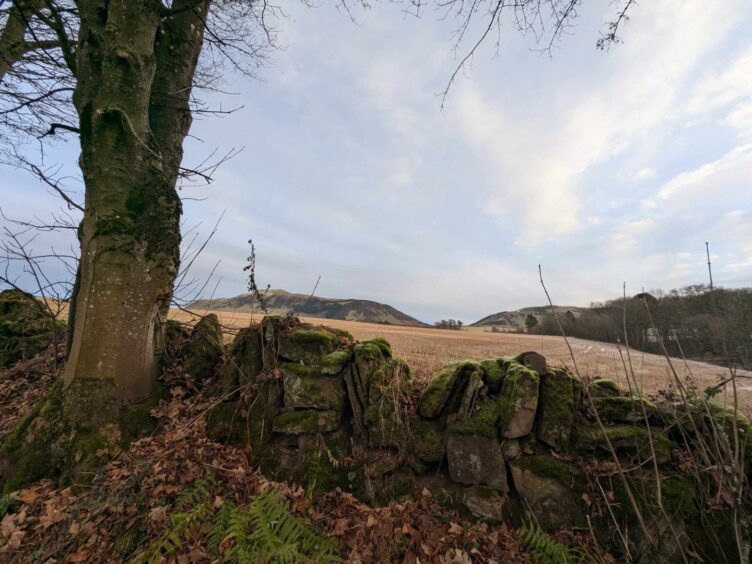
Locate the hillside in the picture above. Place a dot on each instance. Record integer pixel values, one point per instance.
(515, 320)
(280, 302)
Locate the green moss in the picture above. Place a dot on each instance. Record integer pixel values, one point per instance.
(245, 361)
(383, 345)
(623, 409)
(342, 334)
(444, 385)
(25, 329)
(297, 422)
(625, 439)
(307, 344)
(333, 363)
(366, 351)
(604, 387)
(546, 466)
(518, 400)
(482, 423)
(725, 416)
(70, 433)
(493, 374)
(304, 386)
(386, 426)
(427, 441)
(557, 404)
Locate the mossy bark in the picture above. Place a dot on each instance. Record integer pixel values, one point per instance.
(70, 433)
(134, 69)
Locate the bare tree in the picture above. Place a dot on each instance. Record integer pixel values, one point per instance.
(121, 76)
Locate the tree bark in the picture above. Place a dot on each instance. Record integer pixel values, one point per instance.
(13, 34)
(134, 77)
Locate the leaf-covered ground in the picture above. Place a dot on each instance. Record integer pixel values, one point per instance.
(133, 501)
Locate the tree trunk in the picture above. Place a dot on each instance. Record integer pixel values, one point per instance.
(134, 71)
(12, 35)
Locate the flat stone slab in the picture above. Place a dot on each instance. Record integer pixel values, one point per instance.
(307, 345)
(547, 486)
(305, 387)
(476, 460)
(519, 394)
(558, 400)
(484, 503)
(306, 421)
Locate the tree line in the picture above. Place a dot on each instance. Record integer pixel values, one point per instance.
(693, 322)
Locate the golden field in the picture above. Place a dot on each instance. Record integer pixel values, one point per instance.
(426, 350)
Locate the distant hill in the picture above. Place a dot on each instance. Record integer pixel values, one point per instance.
(515, 320)
(280, 302)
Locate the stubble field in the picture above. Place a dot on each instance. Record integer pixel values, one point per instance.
(426, 350)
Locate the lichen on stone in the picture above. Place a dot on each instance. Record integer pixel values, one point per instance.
(626, 440)
(308, 421)
(306, 344)
(483, 422)
(519, 400)
(558, 401)
(603, 387)
(445, 388)
(334, 362)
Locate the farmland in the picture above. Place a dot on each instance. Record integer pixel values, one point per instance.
(426, 350)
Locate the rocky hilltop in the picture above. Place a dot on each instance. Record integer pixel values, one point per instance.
(515, 320)
(280, 302)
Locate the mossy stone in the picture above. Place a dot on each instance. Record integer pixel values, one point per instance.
(483, 422)
(308, 421)
(603, 387)
(335, 362)
(549, 488)
(558, 401)
(386, 423)
(25, 328)
(476, 460)
(625, 439)
(484, 503)
(305, 387)
(204, 348)
(444, 389)
(493, 374)
(245, 360)
(307, 344)
(519, 400)
(427, 440)
(623, 409)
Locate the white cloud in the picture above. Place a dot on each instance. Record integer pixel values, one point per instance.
(709, 181)
(540, 159)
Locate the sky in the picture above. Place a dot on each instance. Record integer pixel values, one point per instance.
(604, 167)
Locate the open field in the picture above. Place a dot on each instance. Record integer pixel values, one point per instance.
(426, 350)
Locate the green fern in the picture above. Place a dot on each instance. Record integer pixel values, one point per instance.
(170, 541)
(268, 532)
(544, 549)
(5, 503)
(194, 501)
(198, 492)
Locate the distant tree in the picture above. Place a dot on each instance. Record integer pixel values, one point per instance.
(451, 324)
(530, 322)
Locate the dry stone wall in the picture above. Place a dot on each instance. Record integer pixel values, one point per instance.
(505, 438)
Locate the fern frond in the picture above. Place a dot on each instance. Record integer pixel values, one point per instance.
(544, 549)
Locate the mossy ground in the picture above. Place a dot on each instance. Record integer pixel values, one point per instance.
(71, 433)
